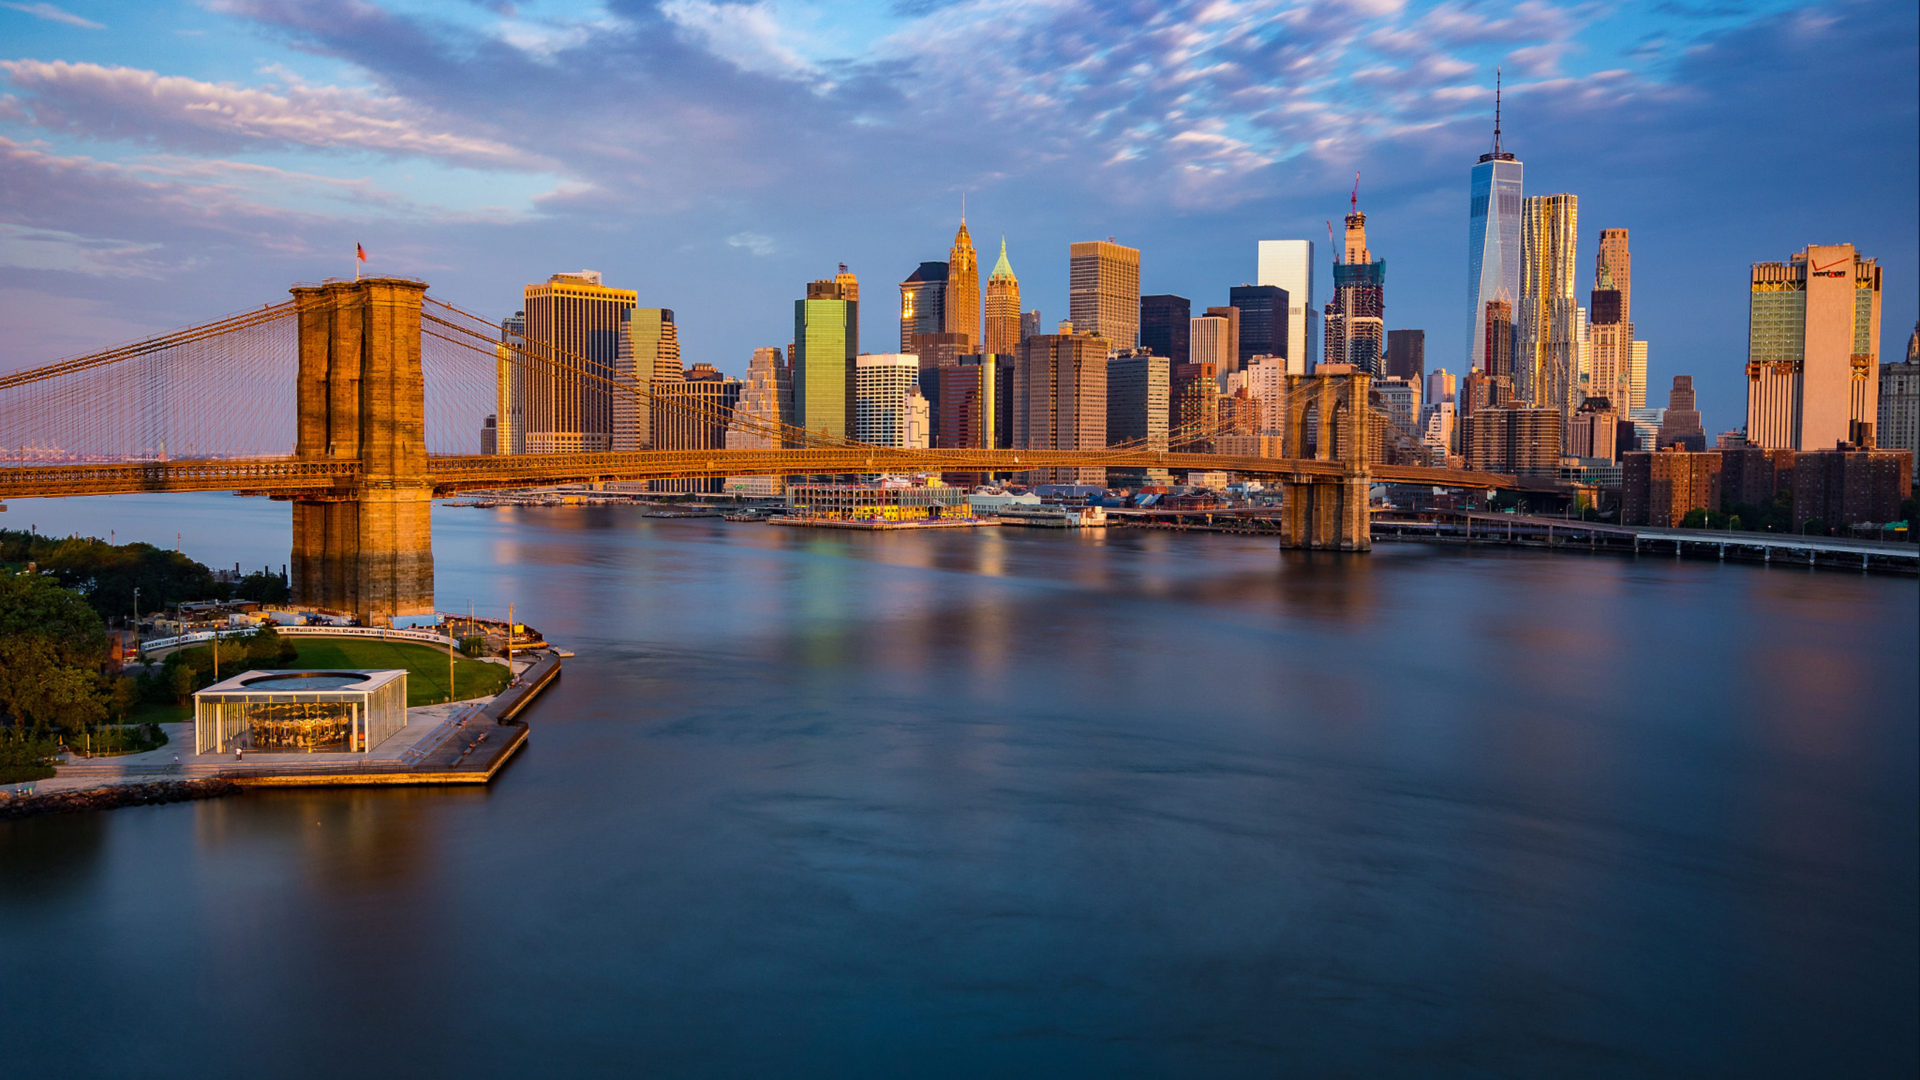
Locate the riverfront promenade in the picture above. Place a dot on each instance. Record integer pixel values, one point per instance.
(463, 742)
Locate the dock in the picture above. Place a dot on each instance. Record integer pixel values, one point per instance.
(1559, 534)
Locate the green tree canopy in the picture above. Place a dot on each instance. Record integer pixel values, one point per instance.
(51, 648)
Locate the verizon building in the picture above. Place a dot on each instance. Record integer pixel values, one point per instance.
(1813, 348)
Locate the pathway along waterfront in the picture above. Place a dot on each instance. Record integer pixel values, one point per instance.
(1030, 802)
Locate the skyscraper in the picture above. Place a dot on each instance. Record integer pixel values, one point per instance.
(1138, 385)
(510, 432)
(1194, 393)
(649, 354)
(1407, 354)
(1165, 325)
(969, 407)
(1681, 422)
(1497, 350)
(1263, 321)
(1546, 322)
(1003, 307)
(963, 288)
(766, 402)
(923, 303)
(692, 413)
(1211, 338)
(1617, 257)
(826, 337)
(1060, 398)
(1103, 291)
(1609, 328)
(1029, 324)
(1813, 349)
(1356, 324)
(574, 322)
(1230, 360)
(1637, 383)
(1288, 265)
(1493, 235)
(1137, 399)
(882, 384)
(1898, 425)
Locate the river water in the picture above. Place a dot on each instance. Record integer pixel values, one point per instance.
(1023, 802)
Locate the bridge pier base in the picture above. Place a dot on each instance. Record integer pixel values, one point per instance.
(1326, 515)
(371, 557)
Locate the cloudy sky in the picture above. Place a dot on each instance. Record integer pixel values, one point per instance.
(163, 163)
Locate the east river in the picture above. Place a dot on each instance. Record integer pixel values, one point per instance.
(1024, 802)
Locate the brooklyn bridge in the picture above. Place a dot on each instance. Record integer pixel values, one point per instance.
(378, 389)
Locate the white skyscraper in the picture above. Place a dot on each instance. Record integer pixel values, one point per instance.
(1288, 264)
(1208, 343)
(883, 385)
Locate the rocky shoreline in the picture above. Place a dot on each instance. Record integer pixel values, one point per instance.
(114, 797)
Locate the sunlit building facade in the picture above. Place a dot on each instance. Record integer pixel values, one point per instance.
(963, 288)
(574, 324)
(510, 386)
(883, 382)
(1103, 291)
(649, 355)
(1546, 336)
(1288, 265)
(826, 337)
(1003, 307)
(1060, 399)
(766, 403)
(1813, 349)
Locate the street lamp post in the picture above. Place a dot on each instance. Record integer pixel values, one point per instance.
(138, 650)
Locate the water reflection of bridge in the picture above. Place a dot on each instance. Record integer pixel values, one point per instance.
(384, 382)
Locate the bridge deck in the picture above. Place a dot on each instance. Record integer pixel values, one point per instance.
(449, 474)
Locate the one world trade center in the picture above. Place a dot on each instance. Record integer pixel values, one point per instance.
(1493, 236)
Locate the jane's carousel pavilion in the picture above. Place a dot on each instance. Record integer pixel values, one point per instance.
(291, 712)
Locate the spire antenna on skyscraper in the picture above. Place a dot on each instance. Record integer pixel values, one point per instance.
(1496, 112)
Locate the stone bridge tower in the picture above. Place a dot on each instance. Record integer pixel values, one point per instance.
(365, 551)
(1327, 419)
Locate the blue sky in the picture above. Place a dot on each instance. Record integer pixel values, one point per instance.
(165, 163)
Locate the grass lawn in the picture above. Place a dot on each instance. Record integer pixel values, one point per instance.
(426, 666)
(148, 712)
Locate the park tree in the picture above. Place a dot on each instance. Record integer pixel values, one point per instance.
(52, 646)
(268, 647)
(105, 575)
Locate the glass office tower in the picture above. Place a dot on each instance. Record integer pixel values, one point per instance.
(826, 336)
(1493, 239)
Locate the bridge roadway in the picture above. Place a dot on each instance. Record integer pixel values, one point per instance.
(449, 474)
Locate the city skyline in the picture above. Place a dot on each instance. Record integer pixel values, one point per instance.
(394, 149)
